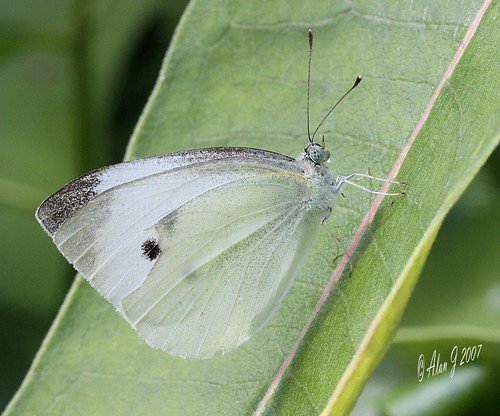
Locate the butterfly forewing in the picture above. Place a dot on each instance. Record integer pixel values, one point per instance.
(194, 249)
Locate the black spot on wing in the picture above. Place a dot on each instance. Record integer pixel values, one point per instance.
(150, 249)
(57, 208)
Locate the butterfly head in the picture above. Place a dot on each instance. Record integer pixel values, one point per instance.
(316, 153)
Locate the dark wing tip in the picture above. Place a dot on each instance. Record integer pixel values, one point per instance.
(58, 207)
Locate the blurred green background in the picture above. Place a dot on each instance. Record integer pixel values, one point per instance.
(74, 77)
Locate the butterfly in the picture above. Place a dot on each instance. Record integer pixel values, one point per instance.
(196, 249)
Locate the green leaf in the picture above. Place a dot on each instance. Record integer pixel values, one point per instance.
(453, 312)
(236, 75)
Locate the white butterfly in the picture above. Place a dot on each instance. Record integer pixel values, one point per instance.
(195, 249)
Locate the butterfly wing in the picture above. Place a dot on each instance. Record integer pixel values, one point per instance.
(223, 269)
(196, 256)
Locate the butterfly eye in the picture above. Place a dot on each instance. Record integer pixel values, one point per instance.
(316, 153)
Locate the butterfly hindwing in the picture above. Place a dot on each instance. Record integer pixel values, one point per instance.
(223, 270)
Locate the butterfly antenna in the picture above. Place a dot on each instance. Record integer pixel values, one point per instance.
(356, 83)
(310, 34)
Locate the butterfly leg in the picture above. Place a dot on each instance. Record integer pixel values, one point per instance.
(353, 177)
(327, 215)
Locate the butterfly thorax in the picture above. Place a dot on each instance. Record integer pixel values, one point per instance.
(321, 180)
